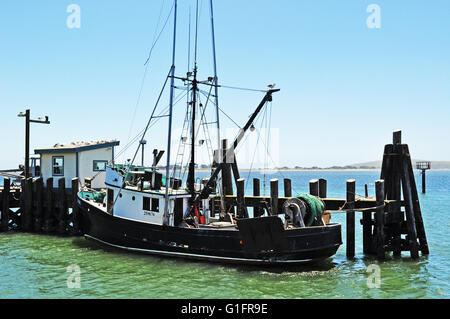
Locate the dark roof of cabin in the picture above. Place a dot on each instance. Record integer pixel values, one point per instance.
(76, 147)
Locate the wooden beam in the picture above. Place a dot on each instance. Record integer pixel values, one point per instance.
(314, 187)
(350, 218)
(257, 210)
(5, 203)
(48, 206)
(75, 209)
(415, 201)
(379, 219)
(322, 188)
(287, 187)
(410, 215)
(38, 210)
(274, 196)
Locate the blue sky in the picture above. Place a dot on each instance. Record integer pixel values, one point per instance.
(344, 87)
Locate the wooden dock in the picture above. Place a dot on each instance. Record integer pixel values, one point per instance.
(31, 207)
(391, 222)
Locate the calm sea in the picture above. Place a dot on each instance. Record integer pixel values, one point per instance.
(35, 266)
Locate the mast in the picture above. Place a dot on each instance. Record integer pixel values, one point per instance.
(216, 93)
(191, 174)
(169, 137)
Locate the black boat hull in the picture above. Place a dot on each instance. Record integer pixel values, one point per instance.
(301, 245)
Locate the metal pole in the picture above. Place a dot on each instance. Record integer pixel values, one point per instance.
(27, 143)
(216, 92)
(424, 188)
(169, 138)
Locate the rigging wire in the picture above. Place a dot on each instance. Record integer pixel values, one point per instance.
(223, 112)
(146, 64)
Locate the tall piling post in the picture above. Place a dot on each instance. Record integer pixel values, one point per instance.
(27, 212)
(274, 196)
(287, 187)
(350, 218)
(322, 188)
(241, 209)
(5, 203)
(257, 210)
(48, 206)
(38, 209)
(75, 209)
(62, 207)
(314, 187)
(379, 219)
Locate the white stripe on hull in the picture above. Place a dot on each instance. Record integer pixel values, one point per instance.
(197, 256)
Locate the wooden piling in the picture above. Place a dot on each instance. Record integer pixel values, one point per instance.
(314, 187)
(5, 204)
(287, 187)
(61, 207)
(274, 196)
(48, 206)
(350, 222)
(75, 210)
(379, 219)
(241, 209)
(27, 213)
(38, 204)
(420, 228)
(409, 208)
(257, 210)
(322, 188)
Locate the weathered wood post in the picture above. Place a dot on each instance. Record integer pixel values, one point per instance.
(379, 218)
(274, 196)
(409, 208)
(75, 210)
(287, 187)
(5, 204)
(48, 206)
(367, 231)
(241, 209)
(37, 213)
(62, 207)
(257, 210)
(350, 222)
(314, 187)
(366, 191)
(322, 188)
(406, 158)
(27, 213)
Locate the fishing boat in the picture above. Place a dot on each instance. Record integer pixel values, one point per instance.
(150, 210)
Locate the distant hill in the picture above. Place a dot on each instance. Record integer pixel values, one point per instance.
(377, 164)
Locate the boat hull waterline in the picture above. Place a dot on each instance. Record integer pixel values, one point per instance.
(293, 246)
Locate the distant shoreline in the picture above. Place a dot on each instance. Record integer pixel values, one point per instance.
(314, 169)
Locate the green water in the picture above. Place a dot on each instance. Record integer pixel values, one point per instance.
(35, 266)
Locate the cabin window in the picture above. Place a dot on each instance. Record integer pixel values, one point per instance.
(155, 204)
(150, 204)
(100, 166)
(58, 165)
(146, 203)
